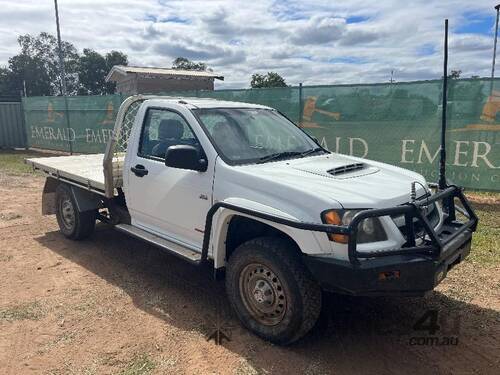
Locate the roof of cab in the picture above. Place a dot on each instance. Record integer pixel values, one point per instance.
(194, 103)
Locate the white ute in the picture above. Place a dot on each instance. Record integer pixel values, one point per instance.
(239, 187)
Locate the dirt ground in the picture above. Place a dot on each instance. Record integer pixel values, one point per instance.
(115, 305)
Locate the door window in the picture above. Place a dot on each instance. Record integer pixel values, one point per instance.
(162, 129)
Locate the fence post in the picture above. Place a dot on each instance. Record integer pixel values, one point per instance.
(300, 103)
(23, 124)
(68, 124)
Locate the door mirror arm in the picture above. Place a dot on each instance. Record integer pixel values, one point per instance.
(203, 164)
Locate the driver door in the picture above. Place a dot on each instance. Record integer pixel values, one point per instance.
(169, 202)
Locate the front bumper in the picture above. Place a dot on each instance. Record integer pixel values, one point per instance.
(410, 270)
(390, 275)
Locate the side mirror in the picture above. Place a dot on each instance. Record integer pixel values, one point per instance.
(185, 157)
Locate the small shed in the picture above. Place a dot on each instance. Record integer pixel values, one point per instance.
(131, 80)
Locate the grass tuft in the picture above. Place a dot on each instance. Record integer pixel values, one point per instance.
(486, 241)
(7, 216)
(140, 365)
(12, 161)
(26, 311)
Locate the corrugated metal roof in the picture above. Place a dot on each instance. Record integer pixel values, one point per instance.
(123, 70)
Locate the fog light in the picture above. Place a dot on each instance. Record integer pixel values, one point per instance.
(388, 275)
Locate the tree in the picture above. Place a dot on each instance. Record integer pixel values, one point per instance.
(186, 64)
(6, 83)
(4, 76)
(43, 49)
(93, 68)
(37, 69)
(455, 74)
(114, 58)
(30, 73)
(271, 79)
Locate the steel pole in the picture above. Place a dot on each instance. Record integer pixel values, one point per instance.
(63, 78)
(494, 51)
(300, 104)
(442, 160)
(61, 56)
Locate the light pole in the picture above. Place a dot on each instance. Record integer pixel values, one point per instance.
(442, 159)
(61, 56)
(63, 79)
(494, 51)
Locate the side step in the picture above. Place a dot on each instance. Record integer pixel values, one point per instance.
(169, 246)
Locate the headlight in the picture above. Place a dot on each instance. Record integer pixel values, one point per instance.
(369, 230)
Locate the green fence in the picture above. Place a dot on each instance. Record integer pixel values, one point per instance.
(12, 132)
(394, 123)
(81, 124)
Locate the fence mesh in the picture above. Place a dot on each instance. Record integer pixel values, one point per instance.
(394, 123)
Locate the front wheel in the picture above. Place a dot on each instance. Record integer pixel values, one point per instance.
(271, 291)
(73, 224)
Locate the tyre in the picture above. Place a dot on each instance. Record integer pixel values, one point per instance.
(271, 290)
(73, 224)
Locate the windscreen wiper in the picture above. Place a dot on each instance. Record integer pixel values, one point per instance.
(312, 151)
(279, 155)
(286, 154)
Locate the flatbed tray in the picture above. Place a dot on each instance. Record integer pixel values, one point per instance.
(82, 170)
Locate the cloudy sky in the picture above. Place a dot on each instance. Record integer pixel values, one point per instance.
(309, 41)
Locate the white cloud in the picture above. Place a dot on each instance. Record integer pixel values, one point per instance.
(314, 42)
(319, 30)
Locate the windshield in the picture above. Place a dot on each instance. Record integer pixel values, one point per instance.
(246, 135)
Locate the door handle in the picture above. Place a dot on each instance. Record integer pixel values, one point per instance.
(139, 170)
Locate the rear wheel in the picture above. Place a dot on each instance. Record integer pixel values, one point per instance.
(271, 291)
(73, 224)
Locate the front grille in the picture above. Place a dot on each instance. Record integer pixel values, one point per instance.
(346, 168)
(431, 214)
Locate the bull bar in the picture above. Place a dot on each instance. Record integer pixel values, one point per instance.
(435, 246)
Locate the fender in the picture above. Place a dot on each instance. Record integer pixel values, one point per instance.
(49, 196)
(85, 200)
(306, 240)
